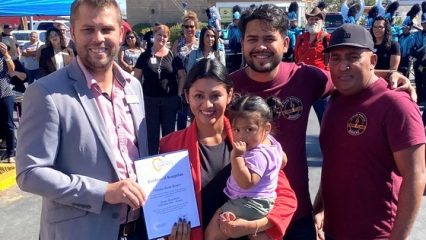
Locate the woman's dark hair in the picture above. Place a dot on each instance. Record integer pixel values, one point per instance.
(243, 105)
(208, 68)
(270, 14)
(387, 38)
(374, 12)
(61, 37)
(138, 41)
(203, 31)
(353, 10)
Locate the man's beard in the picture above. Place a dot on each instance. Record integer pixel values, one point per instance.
(314, 28)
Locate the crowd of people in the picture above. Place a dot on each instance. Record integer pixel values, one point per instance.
(101, 104)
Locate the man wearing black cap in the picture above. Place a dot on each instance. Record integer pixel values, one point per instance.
(372, 140)
(10, 41)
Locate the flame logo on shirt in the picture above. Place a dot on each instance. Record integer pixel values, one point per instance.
(293, 108)
(357, 124)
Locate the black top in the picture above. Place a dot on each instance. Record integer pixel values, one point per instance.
(384, 55)
(215, 170)
(159, 85)
(18, 84)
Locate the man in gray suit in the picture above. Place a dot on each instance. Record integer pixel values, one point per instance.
(81, 129)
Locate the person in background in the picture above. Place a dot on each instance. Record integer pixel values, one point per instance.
(309, 49)
(188, 41)
(214, 18)
(10, 40)
(162, 75)
(406, 43)
(54, 55)
(209, 140)
(387, 50)
(29, 57)
(148, 38)
(264, 41)
(18, 78)
(372, 14)
(411, 15)
(391, 10)
(182, 47)
(69, 43)
(130, 52)
(7, 126)
(293, 32)
(373, 143)
(82, 128)
(208, 48)
(234, 39)
(419, 65)
(352, 12)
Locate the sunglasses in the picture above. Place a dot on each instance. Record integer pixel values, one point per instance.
(130, 37)
(189, 26)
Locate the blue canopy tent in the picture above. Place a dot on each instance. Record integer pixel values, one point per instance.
(35, 7)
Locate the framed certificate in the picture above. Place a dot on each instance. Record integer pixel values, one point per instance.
(168, 185)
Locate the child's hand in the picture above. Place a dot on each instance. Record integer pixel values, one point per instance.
(239, 148)
(227, 217)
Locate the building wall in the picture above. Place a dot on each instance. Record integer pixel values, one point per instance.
(171, 11)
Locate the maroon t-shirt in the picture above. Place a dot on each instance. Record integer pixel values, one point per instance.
(298, 86)
(360, 180)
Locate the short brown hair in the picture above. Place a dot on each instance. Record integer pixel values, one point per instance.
(95, 4)
(163, 28)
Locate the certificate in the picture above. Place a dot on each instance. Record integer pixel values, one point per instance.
(167, 182)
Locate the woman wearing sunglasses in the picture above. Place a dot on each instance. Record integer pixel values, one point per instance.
(182, 47)
(188, 41)
(130, 52)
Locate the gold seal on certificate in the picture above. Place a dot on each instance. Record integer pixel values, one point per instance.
(168, 185)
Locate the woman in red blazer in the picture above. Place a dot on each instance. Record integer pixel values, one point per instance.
(208, 139)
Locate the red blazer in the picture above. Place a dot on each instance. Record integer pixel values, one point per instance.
(285, 204)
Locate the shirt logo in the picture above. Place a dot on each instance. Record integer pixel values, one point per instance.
(293, 108)
(357, 124)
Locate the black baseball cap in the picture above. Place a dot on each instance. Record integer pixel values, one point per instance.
(351, 35)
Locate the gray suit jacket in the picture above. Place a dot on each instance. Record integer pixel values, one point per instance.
(64, 154)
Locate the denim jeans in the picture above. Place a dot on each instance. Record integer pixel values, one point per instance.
(182, 117)
(319, 107)
(7, 125)
(301, 229)
(420, 80)
(160, 113)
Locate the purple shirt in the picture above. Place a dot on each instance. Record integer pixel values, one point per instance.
(265, 161)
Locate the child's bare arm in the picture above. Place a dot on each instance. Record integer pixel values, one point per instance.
(284, 162)
(242, 175)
